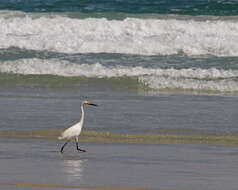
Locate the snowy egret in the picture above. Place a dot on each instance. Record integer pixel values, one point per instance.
(75, 130)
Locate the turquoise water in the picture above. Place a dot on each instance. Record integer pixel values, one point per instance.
(183, 7)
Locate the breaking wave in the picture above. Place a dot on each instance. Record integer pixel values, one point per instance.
(158, 82)
(154, 78)
(129, 36)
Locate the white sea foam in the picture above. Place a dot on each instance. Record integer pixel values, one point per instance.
(155, 78)
(129, 36)
(63, 68)
(158, 83)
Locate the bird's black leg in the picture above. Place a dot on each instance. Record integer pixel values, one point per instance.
(62, 148)
(78, 146)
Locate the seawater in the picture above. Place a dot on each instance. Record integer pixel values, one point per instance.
(162, 52)
(124, 166)
(131, 53)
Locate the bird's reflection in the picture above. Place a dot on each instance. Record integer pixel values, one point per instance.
(73, 168)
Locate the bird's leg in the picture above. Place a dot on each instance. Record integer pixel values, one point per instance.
(79, 148)
(77, 145)
(62, 148)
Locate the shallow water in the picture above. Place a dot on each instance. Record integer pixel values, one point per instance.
(33, 161)
(194, 167)
(119, 111)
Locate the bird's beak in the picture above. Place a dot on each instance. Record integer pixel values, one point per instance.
(92, 104)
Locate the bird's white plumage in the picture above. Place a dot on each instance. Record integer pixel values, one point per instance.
(75, 130)
(71, 132)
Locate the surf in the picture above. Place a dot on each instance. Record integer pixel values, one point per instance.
(62, 72)
(137, 36)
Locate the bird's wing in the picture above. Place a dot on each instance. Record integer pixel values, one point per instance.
(71, 132)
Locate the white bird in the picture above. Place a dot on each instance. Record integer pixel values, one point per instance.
(75, 130)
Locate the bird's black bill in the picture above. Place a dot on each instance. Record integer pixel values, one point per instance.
(93, 104)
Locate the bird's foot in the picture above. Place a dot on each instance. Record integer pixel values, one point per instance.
(81, 150)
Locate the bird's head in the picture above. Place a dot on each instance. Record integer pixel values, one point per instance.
(88, 103)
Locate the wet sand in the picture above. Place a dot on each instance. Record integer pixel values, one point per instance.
(107, 137)
(37, 164)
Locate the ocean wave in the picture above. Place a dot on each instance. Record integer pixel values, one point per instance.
(154, 78)
(162, 83)
(128, 36)
(64, 68)
(59, 67)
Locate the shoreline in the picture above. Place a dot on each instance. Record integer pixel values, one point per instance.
(108, 137)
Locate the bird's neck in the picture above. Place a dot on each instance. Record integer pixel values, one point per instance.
(82, 114)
